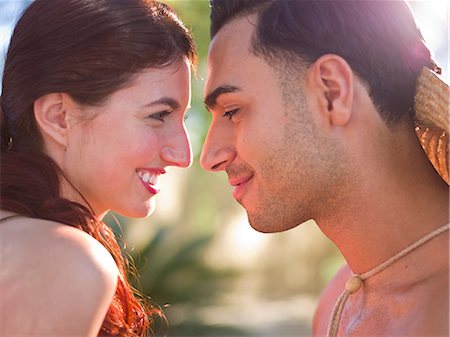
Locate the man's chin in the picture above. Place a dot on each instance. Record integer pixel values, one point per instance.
(262, 225)
(269, 224)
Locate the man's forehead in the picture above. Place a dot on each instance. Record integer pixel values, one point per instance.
(234, 35)
(229, 49)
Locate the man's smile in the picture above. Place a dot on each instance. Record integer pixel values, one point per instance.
(240, 184)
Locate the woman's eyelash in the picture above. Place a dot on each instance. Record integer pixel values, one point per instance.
(231, 113)
(186, 115)
(160, 115)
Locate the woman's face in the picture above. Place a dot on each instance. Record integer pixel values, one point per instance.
(116, 158)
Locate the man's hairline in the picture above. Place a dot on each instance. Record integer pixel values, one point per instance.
(287, 62)
(282, 62)
(278, 67)
(281, 59)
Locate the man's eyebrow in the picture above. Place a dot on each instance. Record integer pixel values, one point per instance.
(211, 98)
(172, 103)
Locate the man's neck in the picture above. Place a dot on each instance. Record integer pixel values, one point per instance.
(392, 208)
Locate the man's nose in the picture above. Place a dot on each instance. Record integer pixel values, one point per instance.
(218, 150)
(178, 151)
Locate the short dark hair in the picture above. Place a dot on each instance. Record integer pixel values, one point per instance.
(379, 40)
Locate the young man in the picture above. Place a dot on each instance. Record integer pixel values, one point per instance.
(313, 116)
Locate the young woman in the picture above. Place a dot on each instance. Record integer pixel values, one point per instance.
(92, 113)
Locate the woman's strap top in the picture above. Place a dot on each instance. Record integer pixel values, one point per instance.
(10, 217)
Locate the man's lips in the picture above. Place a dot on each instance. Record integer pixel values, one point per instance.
(240, 185)
(239, 181)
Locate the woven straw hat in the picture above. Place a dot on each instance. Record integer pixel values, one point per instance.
(432, 103)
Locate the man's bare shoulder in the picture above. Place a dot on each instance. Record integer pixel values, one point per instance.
(328, 299)
(431, 314)
(58, 277)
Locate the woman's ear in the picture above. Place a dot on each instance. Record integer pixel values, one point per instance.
(330, 81)
(51, 118)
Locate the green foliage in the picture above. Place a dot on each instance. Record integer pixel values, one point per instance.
(195, 327)
(172, 270)
(176, 273)
(195, 15)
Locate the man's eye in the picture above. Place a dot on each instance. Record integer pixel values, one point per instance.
(230, 113)
(160, 116)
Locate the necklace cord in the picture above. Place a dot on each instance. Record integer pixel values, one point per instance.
(355, 283)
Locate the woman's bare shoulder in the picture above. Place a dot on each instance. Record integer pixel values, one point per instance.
(57, 276)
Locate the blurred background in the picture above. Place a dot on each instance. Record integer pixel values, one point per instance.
(197, 256)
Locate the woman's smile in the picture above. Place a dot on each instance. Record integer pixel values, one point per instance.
(150, 178)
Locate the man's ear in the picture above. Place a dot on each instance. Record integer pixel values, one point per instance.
(330, 79)
(51, 117)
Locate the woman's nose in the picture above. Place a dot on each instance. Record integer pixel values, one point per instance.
(178, 151)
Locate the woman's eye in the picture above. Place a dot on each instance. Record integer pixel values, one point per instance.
(160, 116)
(230, 113)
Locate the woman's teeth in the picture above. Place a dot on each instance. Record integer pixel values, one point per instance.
(148, 178)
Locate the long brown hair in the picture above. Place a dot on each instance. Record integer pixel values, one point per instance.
(87, 49)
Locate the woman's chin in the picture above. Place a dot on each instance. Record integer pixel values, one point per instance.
(139, 212)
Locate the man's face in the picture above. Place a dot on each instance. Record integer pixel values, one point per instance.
(262, 134)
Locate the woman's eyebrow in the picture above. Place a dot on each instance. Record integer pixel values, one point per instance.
(171, 102)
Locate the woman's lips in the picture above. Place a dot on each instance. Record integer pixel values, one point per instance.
(150, 188)
(150, 178)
